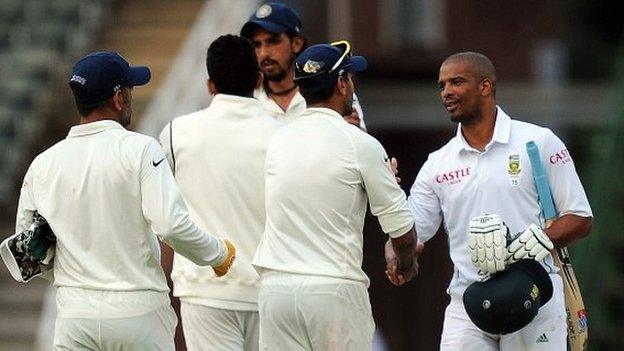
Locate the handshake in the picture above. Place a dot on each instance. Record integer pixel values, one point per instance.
(492, 247)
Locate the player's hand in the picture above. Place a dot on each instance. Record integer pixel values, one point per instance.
(532, 244)
(487, 239)
(353, 118)
(224, 267)
(395, 275)
(394, 164)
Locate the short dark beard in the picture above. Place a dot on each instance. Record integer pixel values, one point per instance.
(281, 74)
(468, 118)
(276, 77)
(126, 110)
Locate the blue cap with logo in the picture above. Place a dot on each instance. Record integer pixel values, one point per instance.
(273, 17)
(97, 76)
(325, 62)
(509, 300)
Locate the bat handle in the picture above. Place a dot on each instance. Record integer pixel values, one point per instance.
(562, 252)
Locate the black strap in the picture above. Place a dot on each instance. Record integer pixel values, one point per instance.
(173, 166)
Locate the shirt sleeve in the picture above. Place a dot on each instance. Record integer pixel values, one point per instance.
(165, 211)
(26, 209)
(386, 198)
(567, 190)
(424, 205)
(26, 206)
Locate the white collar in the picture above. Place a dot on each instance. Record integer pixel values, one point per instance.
(93, 127)
(502, 130)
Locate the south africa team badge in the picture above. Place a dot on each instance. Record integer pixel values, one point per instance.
(514, 169)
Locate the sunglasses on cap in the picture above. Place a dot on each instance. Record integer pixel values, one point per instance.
(343, 46)
(315, 60)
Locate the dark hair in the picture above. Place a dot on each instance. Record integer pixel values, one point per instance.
(481, 65)
(232, 65)
(315, 92)
(85, 109)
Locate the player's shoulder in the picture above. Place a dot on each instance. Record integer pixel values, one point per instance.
(526, 128)
(451, 148)
(48, 153)
(363, 142)
(523, 132)
(188, 120)
(181, 124)
(134, 143)
(260, 115)
(357, 134)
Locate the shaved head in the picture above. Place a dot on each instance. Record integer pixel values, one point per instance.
(480, 65)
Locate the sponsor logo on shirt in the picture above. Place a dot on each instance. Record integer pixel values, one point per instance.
(155, 164)
(453, 177)
(542, 338)
(561, 156)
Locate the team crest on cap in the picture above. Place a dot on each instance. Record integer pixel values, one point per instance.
(264, 11)
(534, 292)
(311, 67)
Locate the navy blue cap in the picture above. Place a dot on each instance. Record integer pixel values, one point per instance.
(275, 18)
(509, 300)
(324, 62)
(97, 76)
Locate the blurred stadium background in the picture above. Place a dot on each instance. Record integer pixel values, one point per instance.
(560, 64)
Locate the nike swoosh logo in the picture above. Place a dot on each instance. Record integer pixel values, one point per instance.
(155, 164)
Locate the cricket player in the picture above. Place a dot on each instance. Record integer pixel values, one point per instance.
(218, 156)
(320, 174)
(105, 192)
(482, 181)
(275, 30)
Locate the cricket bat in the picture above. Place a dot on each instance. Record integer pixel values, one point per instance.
(575, 308)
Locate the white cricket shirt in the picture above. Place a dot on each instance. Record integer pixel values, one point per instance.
(457, 183)
(105, 191)
(296, 107)
(320, 173)
(219, 164)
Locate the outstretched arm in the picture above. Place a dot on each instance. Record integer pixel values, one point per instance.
(402, 258)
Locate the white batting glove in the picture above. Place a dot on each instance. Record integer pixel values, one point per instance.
(532, 244)
(487, 235)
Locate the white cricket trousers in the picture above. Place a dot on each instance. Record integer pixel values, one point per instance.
(153, 331)
(312, 313)
(547, 332)
(214, 329)
(113, 321)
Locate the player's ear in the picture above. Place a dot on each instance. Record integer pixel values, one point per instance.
(297, 44)
(117, 100)
(487, 87)
(341, 85)
(212, 88)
